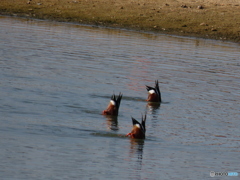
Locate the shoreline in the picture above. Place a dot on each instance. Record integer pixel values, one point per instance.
(208, 20)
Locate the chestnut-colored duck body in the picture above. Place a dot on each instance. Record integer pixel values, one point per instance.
(113, 106)
(154, 94)
(139, 129)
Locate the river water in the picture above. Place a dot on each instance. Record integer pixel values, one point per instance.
(57, 78)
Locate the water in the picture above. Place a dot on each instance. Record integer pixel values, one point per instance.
(56, 78)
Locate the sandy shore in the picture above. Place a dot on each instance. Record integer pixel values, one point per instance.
(213, 19)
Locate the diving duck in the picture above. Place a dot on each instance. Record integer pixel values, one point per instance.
(138, 130)
(154, 94)
(113, 105)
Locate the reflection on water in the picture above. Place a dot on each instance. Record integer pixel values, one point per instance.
(136, 152)
(153, 108)
(112, 122)
(55, 80)
(136, 148)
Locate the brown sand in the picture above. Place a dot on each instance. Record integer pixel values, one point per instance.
(214, 19)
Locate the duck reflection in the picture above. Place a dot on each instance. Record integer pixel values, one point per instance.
(136, 155)
(112, 122)
(136, 148)
(153, 107)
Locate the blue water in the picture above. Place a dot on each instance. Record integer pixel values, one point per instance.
(57, 78)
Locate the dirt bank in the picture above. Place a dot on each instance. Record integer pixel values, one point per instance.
(212, 19)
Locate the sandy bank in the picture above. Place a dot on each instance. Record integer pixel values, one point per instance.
(212, 19)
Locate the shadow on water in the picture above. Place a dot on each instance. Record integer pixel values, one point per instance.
(127, 98)
(74, 132)
(108, 134)
(130, 98)
(59, 131)
(64, 131)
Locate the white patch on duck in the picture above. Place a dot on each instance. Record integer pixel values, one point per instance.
(113, 102)
(138, 126)
(151, 91)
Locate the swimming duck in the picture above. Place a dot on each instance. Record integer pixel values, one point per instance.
(154, 94)
(138, 130)
(113, 105)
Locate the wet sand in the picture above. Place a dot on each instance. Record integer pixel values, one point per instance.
(212, 19)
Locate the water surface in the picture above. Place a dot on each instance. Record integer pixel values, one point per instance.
(56, 78)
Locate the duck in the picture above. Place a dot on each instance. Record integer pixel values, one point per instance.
(113, 106)
(154, 94)
(139, 129)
